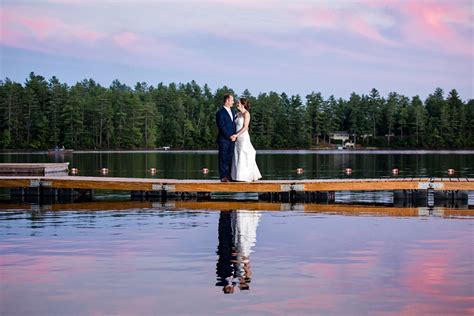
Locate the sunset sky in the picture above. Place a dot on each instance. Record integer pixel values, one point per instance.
(333, 47)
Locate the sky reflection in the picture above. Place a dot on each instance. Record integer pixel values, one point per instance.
(273, 262)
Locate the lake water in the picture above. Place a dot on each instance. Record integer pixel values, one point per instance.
(272, 164)
(253, 258)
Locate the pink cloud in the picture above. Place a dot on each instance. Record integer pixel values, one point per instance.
(87, 35)
(53, 35)
(125, 39)
(42, 29)
(346, 21)
(431, 23)
(322, 18)
(364, 29)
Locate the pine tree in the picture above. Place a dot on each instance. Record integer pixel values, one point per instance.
(375, 105)
(314, 116)
(11, 100)
(417, 123)
(457, 123)
(59, 97)
(36, 99)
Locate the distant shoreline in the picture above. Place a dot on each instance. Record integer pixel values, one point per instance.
(262, 151)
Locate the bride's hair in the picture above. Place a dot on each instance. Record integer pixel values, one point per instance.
(245, 103)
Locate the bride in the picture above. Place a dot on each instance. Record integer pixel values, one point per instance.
(244, 166)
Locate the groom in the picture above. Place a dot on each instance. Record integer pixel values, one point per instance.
(226, 125)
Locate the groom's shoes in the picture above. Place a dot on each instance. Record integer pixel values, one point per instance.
(225, 179)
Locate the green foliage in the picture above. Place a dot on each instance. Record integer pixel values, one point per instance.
(42, 114)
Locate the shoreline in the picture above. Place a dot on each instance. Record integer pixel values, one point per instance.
(262, 151)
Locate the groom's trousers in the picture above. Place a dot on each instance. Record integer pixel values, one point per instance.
(226, 152)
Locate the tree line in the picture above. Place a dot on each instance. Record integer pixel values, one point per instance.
(41, 114)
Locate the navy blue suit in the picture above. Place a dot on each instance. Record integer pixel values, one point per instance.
(226, 128)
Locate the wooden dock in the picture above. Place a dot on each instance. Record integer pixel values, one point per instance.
(52, 180)
(212, 186)
(34, 169)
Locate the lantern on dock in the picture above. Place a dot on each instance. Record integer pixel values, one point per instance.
(74, 171)
(104, 171)
(152, 171)
(299, 170)
(451, 171)
(395, 171)
(348, 171)
(205, 170)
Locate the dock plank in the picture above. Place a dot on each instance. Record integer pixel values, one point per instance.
(176, 185)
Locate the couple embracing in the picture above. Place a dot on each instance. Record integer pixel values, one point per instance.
(236, 153)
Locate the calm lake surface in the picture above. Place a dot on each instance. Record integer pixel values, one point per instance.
(272, 164)
(243, 257)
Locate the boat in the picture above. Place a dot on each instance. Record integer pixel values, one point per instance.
(60, 151)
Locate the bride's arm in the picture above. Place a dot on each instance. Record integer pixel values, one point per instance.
(246, 124)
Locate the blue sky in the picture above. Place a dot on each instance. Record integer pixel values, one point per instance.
(333, 47)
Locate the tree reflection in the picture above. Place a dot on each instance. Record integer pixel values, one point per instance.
(237, 236)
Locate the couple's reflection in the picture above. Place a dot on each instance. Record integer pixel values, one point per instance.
(237, 236)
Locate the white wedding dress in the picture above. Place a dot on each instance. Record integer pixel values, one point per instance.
(244, 165)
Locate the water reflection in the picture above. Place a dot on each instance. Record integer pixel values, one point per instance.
(191, 209)
(274, 164)
(237, 235)
(140, 258)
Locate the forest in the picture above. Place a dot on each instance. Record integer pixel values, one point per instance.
(41, 114)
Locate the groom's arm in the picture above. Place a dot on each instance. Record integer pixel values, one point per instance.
(220, 120)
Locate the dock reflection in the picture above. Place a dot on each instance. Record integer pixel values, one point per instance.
(341, 209)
